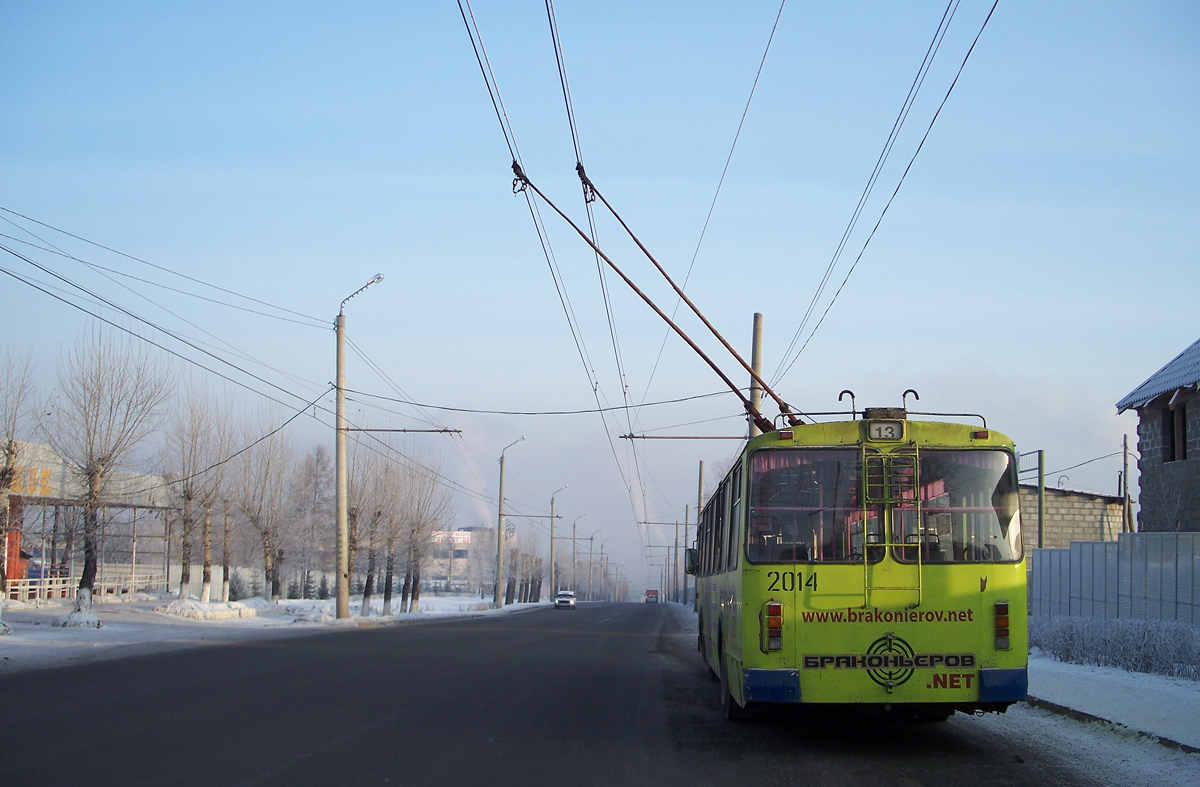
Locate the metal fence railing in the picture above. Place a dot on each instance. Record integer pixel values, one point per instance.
(49, 588)
(1141, 576)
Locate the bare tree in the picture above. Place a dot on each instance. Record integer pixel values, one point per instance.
(112, 392)
(374, 483)
(394, 484)
(221, 437)
(313, 508)
(192, 450)
(260, 491)
(427, 506)
(16, 388)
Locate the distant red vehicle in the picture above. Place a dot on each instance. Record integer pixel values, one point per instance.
(651, 596)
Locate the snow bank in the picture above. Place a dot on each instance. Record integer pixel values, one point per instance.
(221, 610)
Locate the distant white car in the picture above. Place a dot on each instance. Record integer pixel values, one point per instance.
(565, 599)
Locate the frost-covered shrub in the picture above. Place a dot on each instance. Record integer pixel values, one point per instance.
(238, 588)
(1162, 647)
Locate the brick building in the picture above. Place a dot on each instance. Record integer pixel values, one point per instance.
(1069, 516)
(1168, 408)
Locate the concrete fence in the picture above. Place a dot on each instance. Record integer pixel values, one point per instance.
(1141, 576)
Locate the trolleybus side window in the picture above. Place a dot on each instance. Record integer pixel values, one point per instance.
(717, 529)
(806, 506)
(706, 541)
(735, 517)
(968, 510)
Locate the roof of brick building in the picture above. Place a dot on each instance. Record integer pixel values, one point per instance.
(1182, 371)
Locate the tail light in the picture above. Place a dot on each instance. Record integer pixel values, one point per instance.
(1002, 625)
(771, 622)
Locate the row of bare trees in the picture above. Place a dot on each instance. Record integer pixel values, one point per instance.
(117, 408)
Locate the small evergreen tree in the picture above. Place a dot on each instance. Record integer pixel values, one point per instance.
(310, 585)
(237, 587)
(294, 589)
(323, 588)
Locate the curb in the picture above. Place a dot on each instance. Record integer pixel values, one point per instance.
(1078, 715)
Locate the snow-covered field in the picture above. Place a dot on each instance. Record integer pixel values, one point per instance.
(150, 623)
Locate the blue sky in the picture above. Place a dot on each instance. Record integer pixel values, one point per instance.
(1037, 264)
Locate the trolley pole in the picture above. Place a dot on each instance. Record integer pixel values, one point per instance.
(756, 364)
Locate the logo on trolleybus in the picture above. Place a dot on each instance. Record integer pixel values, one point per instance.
(889, 661)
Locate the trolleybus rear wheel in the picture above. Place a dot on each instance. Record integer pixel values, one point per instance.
(730, 710)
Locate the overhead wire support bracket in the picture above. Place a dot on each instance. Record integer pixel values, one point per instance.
(763, 423)
(435, 431)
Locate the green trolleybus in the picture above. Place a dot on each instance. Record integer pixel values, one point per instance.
(873, 561)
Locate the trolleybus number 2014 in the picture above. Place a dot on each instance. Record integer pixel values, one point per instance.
(788, 581)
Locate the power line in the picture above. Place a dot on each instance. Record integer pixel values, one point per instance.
(720, 182)
(913, 89)
(138, 318)
(539, 226)
(894, 193)
(589, 411)
(50, 249)
(158, 267)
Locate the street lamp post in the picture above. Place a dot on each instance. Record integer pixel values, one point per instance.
(591, 543)
(342, 502)
(575, 555)
(498, 601)
(553, 586)
(602, 543)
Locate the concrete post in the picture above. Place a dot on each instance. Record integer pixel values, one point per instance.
(756, 365)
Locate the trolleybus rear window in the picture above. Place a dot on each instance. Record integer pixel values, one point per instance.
(969, 511)
(805, 506)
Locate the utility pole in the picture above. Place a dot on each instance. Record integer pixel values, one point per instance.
(1126, 508)
(603, 575)
(498, 601)
(756, 364)
(591, 543)
(340, 468)
(686, 517)
(1041, 498)
(553, 578)
(575, 555)
(675, 566)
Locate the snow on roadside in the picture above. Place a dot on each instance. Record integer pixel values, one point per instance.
(1157, 704)
(1093, 750)
(153, 623)
(220, 610)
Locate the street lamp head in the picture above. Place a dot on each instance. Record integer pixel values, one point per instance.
(378, 278)
(510, 445)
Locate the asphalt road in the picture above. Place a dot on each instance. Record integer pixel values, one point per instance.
(605, 695)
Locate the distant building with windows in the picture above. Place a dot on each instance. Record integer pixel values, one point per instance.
(1168, 408)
